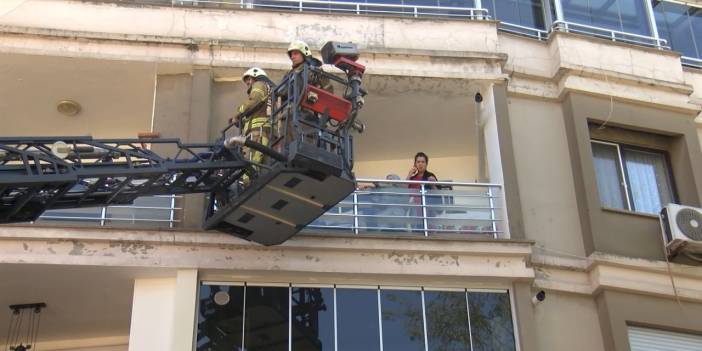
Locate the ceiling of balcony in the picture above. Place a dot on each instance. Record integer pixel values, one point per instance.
(116, 97)
(82, 302)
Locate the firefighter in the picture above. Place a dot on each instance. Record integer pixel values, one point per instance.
(299, 53)
(256, 123)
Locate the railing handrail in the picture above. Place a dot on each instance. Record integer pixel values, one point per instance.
(658, 42)
(429, 182)
(332, 2)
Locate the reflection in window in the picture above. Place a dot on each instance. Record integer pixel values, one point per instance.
(528, 13)
(220, 319)
(357, 320)
(403, 321)
(312, 319)
(266, 326)
(255, 318)
(491, 321)
(620, 15)
(680, 25)
(447, 321)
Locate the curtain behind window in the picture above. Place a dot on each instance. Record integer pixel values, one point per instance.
(608, 175)
(649, 183)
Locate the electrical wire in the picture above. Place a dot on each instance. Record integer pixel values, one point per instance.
(611, 104)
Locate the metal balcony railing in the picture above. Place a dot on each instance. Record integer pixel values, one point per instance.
(329, 6)
(424, 208)
(146, 212)
(691, 61)
(610, 34)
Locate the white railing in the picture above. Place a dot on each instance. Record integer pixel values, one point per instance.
(330, 6)
(691, 61)
(610, 34)
(425, 208)
(145, 212)
(530, 32)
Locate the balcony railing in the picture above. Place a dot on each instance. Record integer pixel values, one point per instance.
(145, 212)
(609, 34)
(423, 208)
(691, 62)
(329, 6)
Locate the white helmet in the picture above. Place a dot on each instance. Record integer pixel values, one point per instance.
(254, 72)
(301, 46)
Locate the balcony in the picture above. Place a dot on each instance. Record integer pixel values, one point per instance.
(422, 208)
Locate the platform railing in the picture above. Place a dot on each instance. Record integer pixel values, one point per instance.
(422, 208)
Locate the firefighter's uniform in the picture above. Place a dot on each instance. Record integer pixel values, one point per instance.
(257, 125)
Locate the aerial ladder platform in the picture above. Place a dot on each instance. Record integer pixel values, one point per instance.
(307, 168)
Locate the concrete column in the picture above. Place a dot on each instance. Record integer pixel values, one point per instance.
(152, 314)
(183, 110)
(503, 168)
(525, 327)
(184, 310)
(163, 313)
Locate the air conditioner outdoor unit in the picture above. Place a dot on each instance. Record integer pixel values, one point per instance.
(682, 229)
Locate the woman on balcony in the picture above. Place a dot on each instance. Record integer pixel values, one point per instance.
(419, 172)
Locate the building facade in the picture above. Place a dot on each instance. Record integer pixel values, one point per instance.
(558, 130)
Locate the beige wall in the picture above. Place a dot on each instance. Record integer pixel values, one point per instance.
(567, 322)
(544, 175)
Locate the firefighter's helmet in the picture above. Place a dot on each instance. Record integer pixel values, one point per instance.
(254, 72)
(301, 46)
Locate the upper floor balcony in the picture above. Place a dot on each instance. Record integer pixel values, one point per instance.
(652, 23)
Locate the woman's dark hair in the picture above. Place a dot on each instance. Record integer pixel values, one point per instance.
(421, 154)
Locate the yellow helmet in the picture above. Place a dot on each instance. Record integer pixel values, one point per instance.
(300, 46)
(254, 72)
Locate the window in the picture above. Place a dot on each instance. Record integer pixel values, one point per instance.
(527, 13)
(620, 15)
(681, 26)
(632, 178)
(647, 339)
(269, 318)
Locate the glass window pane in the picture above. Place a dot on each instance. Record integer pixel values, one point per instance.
(267, 315)
(357, 320)
(531, 14)
(447, 321)
(674, 25)
(403, 321)
(634, 17)
(220, 318)
(491, 321)
(312, 319)
(649, 183)
(608, 175)
(696, 22)
(620, 15)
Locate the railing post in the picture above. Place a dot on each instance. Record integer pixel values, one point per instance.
(424, 209)
(355, 213)
(103, 215)
(652, 23)
(415, 12)
(171, 218)
(492, 213)
(300, 6)
(358, 8)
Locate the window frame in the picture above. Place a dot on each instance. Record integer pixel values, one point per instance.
(625, 174)
(508, 291)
